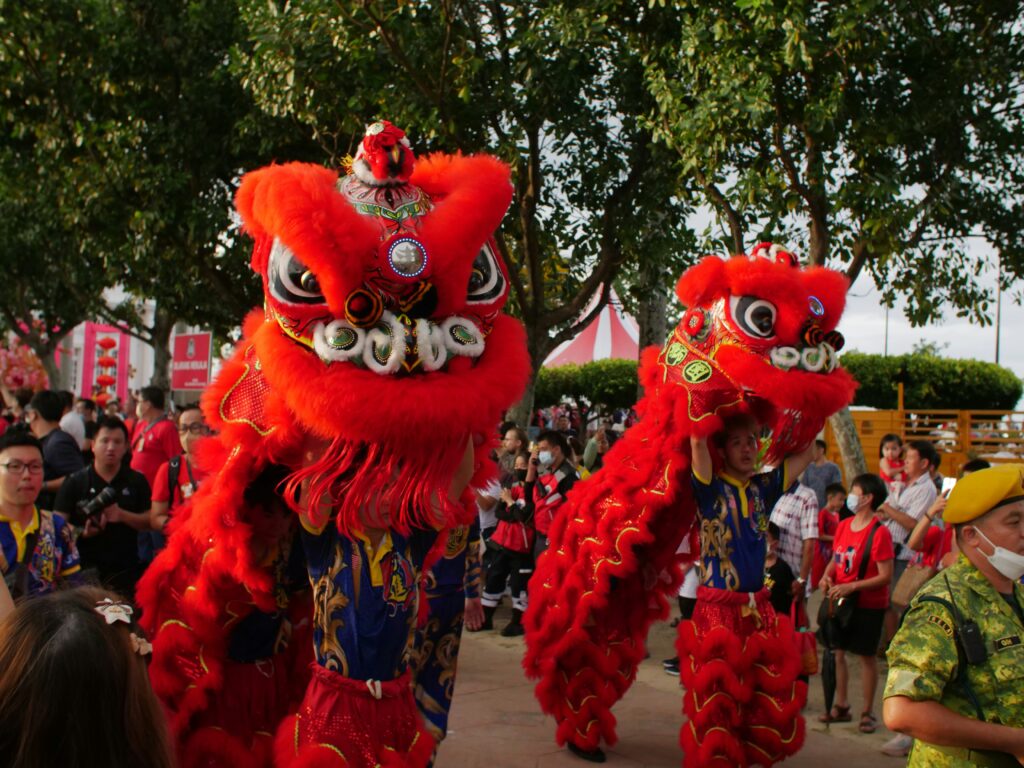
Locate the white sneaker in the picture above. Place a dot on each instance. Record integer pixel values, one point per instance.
(898, 746)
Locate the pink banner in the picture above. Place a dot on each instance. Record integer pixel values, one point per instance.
(106, 354)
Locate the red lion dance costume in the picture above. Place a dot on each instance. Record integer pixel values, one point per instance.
(382, 344)
(758, 337)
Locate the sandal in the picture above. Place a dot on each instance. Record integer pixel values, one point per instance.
(868, 723)
(837, 715)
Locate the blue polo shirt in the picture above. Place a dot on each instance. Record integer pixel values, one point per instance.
(734, 519)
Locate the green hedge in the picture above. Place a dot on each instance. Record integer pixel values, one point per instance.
(932, 382)
(611, 382)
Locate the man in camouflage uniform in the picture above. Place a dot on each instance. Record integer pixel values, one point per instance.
(956, 666)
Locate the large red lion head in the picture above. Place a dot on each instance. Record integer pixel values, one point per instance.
(383, 328)
(758, 334)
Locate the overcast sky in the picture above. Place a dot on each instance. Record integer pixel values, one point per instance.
(863, 325)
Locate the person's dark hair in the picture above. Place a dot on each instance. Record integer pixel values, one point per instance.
(48, 404)
(89, 405)
(889, 438)
(24, 396)
(72, 689)
(505, 426)
(774, 531)
(926, 451)
(835, 488)
(524, 455)
(554, 437)
(18, 435)
(112, 422)
(873, 484)
(67, 398)
(974, 465)
(153, 395)
(520, 435)
(821, 444)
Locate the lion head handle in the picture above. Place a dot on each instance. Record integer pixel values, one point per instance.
(758, 334)
(383, 327)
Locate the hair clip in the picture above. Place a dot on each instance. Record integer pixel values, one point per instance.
(141, 645)
(112, 611)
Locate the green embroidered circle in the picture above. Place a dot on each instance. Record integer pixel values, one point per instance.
(675, 353)
(697, 372)
(344, 339)
(462, 335)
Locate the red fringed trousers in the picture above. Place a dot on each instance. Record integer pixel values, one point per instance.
(347, 723)
(739, 664)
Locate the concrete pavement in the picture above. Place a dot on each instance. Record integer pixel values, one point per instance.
(496, 722)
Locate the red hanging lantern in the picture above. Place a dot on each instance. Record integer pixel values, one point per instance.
(107, 342)
(105, 381)
(106, 361)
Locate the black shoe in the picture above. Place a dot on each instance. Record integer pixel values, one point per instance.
(672, 669)
(673, 662)
(595, 755)
(515, 627)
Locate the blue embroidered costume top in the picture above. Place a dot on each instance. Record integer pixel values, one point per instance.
(458, 569)
(365, 599)
(53, 558)
(734, 518)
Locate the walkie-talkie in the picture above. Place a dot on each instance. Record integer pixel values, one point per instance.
(972, 641)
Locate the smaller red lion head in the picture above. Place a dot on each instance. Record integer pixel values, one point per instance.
(758, 334)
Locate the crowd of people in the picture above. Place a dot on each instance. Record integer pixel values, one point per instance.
(86, 496)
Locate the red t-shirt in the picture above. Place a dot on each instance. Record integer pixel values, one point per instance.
(152, 446)
(849, 549)
(937, 542)
(182, 490)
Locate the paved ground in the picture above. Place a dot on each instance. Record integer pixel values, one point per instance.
(496, 722)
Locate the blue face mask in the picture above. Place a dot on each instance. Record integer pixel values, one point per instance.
(546, 458)
(852, 502)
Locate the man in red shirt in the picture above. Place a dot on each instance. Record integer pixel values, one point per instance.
(179, 477)
(154, 441)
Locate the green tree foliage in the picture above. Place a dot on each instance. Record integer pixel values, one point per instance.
(879, 135)
(554, 89)
(124, 133)
(932, 382)
(612, 383)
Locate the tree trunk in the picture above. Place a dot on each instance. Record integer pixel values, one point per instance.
(163, 324)
(653, 310)
(49, 361)
(849, 444)
(522, 412)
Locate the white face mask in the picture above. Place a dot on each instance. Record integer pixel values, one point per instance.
(545, 458)
(852, 502)
(1008, 563)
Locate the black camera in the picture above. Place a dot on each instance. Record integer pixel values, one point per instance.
(102, 500)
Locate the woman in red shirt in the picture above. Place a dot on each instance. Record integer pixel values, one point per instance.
(842, 580)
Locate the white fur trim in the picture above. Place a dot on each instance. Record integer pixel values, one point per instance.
(473, 349)
(430, 345)
(377, 337)
(328, 352)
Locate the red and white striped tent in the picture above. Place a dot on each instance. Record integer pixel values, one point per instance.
(612, 334)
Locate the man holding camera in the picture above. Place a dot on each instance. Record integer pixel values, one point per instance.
(110, 501)
(955, 681)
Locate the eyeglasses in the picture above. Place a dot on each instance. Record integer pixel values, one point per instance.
(16, 467)
(195, 429)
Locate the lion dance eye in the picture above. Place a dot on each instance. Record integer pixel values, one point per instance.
(486, 282)
(291, 281)
(753, 315)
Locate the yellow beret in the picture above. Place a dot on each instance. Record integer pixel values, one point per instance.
(983, 491)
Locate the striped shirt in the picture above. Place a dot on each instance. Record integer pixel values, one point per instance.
(914, 500)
